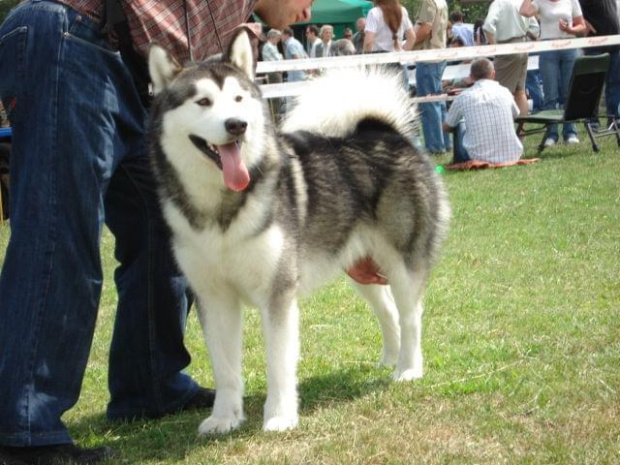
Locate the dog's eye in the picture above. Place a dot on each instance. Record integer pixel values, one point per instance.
(204, 102)
(238, 98)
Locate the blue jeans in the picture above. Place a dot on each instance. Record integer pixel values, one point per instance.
(428, 82)
(534, 89)
(556, 68)
(460, 153)
(79, 159)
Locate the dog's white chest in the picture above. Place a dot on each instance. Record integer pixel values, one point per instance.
(212, 258)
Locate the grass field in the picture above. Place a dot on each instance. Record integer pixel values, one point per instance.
(521, 341)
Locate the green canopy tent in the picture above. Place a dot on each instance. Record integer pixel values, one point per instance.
(338, 13)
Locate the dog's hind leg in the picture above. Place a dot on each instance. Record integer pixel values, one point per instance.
(408, 289)
(221, 320)
(382, 302)
(281, 329)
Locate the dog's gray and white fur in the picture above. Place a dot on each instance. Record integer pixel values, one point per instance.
(259, 217)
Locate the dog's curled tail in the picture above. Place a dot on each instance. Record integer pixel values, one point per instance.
(334, 103)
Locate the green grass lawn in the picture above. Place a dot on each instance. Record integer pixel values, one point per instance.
(521, 341)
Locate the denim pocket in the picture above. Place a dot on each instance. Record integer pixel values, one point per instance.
(87, 33)
(13, 58)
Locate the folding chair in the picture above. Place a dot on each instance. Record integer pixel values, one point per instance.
(584, 94)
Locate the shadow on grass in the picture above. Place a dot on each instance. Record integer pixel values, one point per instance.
(171, 438)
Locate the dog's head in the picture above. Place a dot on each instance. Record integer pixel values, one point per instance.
(210, 110)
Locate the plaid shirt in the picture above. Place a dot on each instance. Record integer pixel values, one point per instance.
(211, 23)
(489, 111)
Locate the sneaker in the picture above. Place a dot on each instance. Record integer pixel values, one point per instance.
(572, 139)
(549, 142)
(54, 455)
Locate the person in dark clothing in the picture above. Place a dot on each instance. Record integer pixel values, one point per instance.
(602, 18)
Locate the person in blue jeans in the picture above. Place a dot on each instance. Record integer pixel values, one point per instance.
(556, 69)
(431, 34)
(432, 114)
(80, 160)
(559, 19)
(534, 89)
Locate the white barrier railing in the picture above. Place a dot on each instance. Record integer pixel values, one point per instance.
(448, 54)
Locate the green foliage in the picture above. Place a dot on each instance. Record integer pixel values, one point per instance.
(5, 7)
(471, 10)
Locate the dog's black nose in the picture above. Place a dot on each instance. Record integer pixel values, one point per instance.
(235, 126)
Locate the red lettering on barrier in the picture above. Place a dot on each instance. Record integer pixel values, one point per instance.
(524, 48)
(597, 40)
(560, 43)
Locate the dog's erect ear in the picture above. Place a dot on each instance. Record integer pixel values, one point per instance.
(240, 52)
(163, 68)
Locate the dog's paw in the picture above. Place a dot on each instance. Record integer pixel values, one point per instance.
(388, 359)
(219, 425)
(408, 375)
(282, 423)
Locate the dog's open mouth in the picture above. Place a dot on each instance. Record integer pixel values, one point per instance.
(209, 150)
(227, 157)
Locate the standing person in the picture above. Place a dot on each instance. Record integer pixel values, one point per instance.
(480, 37)
(505, 25)
(312, 39)
(482, 117)
(430, 33)
(358, 37)
(559, 19)
(270, 52)
(386, 25)
(460, 29)
(323, 48)
(293, 50)
(602, 18)
(79, 159)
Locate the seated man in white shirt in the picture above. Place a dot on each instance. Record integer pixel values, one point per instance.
(482, 118)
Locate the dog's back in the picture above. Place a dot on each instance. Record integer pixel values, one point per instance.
(367, 187)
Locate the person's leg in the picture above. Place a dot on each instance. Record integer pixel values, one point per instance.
(612, 86)
(51, 278)
(460, 154)
(534, 89)
(521, 101)
(549, 66)
(427, 76)
(567, 63)
(147, 353)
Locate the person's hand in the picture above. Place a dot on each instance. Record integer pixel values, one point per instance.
(366, 271)
(566, 26)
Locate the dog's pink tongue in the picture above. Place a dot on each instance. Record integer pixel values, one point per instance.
(236, 175)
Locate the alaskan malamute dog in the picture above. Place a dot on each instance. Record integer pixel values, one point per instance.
(258, 217)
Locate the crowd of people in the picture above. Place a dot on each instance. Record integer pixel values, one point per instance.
(387, 28)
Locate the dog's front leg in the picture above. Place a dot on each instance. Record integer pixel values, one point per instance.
(221, 320)
(281, 328)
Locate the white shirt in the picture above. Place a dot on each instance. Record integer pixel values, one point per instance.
(489, 111)
(382, 39)
(271, 53)
(505, 22)
(552, 12)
